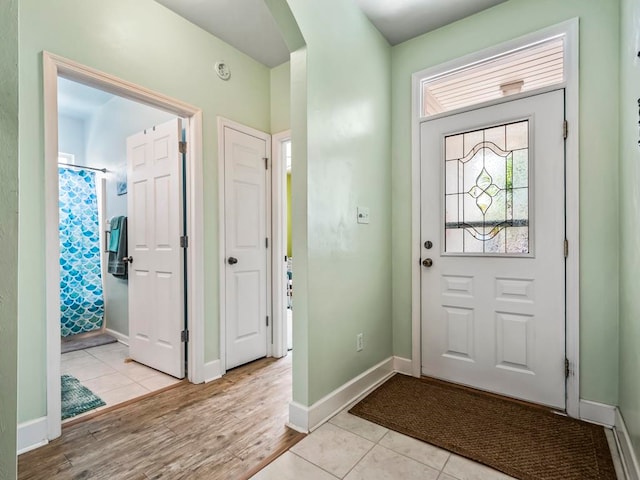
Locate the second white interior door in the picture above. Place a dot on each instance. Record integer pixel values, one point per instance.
(246, 289)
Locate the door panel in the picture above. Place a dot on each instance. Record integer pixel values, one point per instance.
(156, 287)
(492, 206)
(246, 233)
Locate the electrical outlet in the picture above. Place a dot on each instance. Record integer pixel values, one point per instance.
(359, 342)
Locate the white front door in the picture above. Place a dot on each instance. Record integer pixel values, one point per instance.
(156, 283)
(492, 230)
(246, 246)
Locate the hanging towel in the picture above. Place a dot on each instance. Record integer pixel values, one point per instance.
(114, 233)
(118, 247)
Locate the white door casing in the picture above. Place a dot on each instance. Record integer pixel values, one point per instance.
(155, 225)
(246, 249)
(497, 321)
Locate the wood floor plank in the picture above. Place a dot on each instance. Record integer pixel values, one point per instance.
(222, 429)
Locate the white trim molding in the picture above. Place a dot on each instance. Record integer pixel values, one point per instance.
(625, 447)
(212, 371)
(53, 67)
(32, 435)
(306, 419)
(279, 241)
(599, 413)
(569, 29)
(403, 365)
(124, 339)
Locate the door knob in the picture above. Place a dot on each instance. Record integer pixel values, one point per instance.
(232, 260)
(128, 259)
(427, 262)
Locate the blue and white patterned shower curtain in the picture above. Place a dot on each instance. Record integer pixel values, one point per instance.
(81, 300)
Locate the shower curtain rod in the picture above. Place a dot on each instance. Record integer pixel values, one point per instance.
(103, 170)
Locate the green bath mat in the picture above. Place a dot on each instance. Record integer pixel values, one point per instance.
(76, 398)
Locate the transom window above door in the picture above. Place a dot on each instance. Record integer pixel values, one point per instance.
(525, 69)
(486, 190)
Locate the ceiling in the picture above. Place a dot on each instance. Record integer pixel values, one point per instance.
(400, 20)
(244, 24)
(248, 25)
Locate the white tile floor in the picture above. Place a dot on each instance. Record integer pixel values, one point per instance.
(352, 448)
(103, 370)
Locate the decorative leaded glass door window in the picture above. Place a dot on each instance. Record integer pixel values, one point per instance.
(487, 191)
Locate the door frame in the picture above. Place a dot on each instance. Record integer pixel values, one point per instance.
(570, 30)
(279, 232)
(54, 66)
(222, 271)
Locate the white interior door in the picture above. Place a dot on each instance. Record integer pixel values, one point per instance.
(246, 248)
(492, 229)
(156, 286)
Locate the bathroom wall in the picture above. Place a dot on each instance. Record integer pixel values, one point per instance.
(71, 137)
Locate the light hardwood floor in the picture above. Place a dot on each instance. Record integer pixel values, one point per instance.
(224, 429)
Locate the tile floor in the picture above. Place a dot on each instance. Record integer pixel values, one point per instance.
(103, 370)
(352, 448)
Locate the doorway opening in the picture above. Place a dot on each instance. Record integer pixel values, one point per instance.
(109, 156)
(256, 265)
(95, 324)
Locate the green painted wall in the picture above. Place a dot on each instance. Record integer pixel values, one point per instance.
(344, 267)
(281, 98)
(599, 220)
(147, 44)
(8, 235)
(629, 214)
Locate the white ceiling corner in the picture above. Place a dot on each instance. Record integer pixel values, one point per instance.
(401, 20)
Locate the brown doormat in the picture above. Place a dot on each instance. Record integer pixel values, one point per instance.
(522, 440)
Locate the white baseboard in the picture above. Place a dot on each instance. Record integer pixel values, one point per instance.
(403, 365)
(32, 434)
(306, 419)
(118, 336)
(599, 413)
(628, 454)
(212, 371)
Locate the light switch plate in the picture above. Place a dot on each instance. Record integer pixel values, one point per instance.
(363, 215)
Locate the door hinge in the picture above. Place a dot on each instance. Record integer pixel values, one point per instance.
(266, 242)
(565, 129)
(267, 320)
(184, 241)
(266, 163)
(182, 147)
(567, 370)
(184, 336)
(566, 248)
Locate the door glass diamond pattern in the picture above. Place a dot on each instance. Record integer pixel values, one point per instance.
(487, 190)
